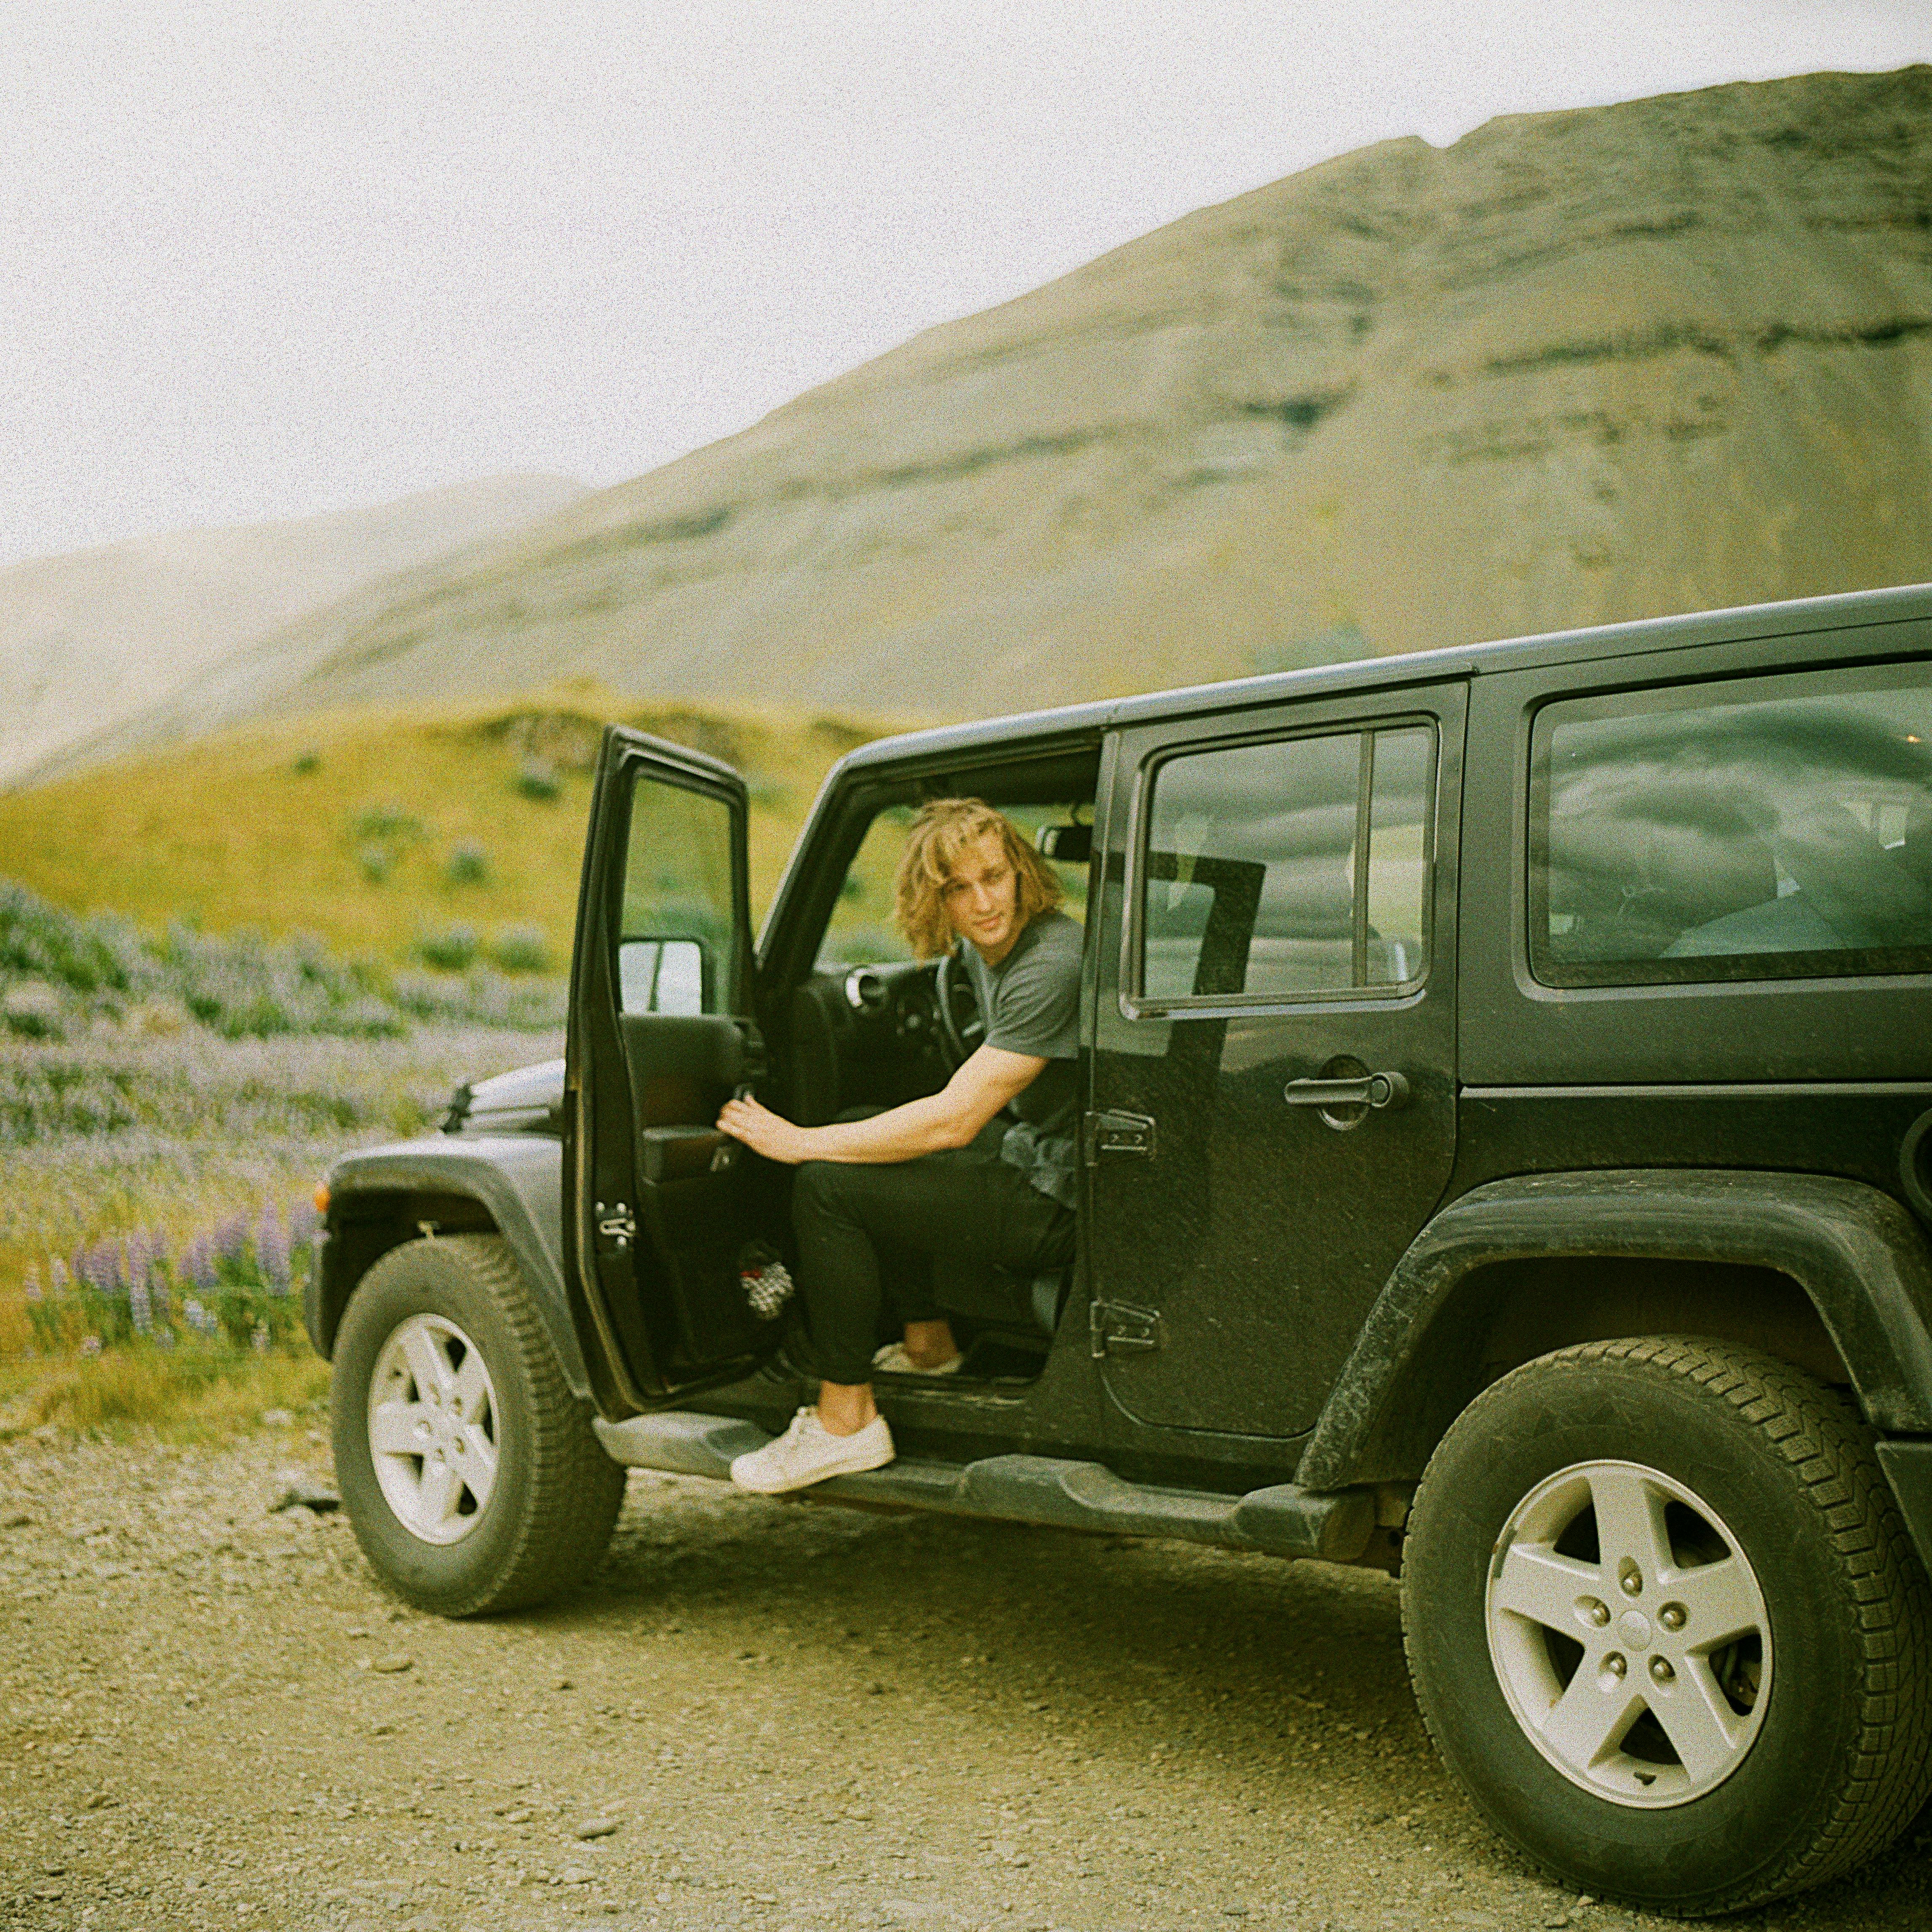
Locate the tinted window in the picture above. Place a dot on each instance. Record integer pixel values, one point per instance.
(1759, 828)
(1264, 877)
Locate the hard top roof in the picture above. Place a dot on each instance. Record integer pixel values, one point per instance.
(1898, 604)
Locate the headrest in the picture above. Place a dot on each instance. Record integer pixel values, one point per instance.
(1068, 844)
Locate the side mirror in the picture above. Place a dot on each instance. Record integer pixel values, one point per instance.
(661, 976)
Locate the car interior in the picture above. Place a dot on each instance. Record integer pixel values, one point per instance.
(864, 1027)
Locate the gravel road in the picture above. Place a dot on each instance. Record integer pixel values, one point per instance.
(761, 1714)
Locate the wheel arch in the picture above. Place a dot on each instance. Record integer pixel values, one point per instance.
(510, 1185)
(1828, 1274)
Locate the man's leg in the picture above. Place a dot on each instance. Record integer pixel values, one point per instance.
(967, 1208)
(962, 1205)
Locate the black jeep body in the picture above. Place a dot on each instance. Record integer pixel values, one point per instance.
(1457, 1029)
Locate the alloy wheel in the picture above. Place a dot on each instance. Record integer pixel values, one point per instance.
(1629, 1634)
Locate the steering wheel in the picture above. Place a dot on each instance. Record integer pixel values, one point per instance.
(961, 1026)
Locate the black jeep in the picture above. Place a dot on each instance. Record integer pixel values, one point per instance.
(1507, 1158)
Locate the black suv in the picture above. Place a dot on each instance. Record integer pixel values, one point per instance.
(1507, 1160)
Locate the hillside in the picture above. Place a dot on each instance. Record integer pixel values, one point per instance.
(1668, 355)
(88, 639)
(377, 831)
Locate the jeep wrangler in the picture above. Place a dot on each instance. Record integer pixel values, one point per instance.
(1507, 1160)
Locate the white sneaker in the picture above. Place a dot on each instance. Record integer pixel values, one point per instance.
(893, 1359)
(807, 1453)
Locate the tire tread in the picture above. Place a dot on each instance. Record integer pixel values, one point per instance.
(1826, 1446)
(576, 1490)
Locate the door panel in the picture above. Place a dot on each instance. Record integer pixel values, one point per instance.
(1277, 942)
(660, 1035)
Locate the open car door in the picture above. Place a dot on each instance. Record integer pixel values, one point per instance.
(658, 1206)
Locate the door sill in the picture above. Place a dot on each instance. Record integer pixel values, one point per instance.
(1282, 1520)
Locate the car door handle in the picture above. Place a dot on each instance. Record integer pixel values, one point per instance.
(1385, 1091)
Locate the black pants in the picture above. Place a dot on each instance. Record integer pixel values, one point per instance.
(927, 1234)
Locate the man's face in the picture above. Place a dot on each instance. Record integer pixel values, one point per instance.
(981, 896)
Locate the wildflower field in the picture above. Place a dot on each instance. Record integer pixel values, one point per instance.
(166, 1107)
(156, 1203)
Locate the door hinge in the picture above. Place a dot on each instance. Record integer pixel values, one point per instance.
(1112, 1132)
(1117, 1328)
(616, 1225)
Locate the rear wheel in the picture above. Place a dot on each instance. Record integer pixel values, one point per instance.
(469, 1469)
(1666, 1625)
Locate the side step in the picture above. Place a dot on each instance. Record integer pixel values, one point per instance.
(1282, 1520)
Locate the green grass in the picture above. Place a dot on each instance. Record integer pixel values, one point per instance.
(179, 1395)
(371, 829)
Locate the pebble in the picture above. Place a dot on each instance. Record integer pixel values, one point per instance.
(574, 1875)
(597, 1828)
(391, 1665)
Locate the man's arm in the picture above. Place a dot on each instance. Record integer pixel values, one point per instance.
(950, 1118)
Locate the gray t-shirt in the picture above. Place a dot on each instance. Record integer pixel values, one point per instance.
(1031, 1004)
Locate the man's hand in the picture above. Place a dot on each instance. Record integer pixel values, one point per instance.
(764, 1132)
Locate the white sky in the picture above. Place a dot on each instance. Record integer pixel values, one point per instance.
(259, 259)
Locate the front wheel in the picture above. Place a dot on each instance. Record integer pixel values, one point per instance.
(1666, 1627)
(469, 1469)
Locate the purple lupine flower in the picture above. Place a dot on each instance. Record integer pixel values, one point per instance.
(31, 1287)
(139, 1305)
(101, 1268)
(272, 1249)
(198, 1262)
(161, 1271)
(303, 1221)
(230, 1240)
(198, 1318)
(59, 1280)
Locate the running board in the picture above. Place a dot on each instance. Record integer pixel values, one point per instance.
(1282, 1520)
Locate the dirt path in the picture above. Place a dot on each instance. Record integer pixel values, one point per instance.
(792, 1716)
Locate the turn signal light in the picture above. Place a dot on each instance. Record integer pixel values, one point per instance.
(321, 1198)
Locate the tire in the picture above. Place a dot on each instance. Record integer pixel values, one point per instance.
(513, 1499)
(1741, 1487)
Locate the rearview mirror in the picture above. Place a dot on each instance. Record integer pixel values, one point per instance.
(661, 976)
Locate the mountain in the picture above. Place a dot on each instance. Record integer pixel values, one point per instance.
(1668, 355)
(89, 639)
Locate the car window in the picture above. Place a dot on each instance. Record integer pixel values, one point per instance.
(1288, 868)
(1757, 828)
(677, 949)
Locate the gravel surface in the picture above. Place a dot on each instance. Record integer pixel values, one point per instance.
(761, 1714)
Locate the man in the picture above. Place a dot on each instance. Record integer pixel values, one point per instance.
(942, 1178)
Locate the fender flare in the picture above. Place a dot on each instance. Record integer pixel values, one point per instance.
(517, 1181)
(1857, 1253)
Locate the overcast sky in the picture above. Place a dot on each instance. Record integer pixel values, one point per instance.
(262, 259)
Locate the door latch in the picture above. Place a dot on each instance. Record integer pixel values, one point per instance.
(1118, 1328)
(1111, 1131)
(616, 1224)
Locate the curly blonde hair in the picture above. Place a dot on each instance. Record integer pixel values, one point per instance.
(943, 829)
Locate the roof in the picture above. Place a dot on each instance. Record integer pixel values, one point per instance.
(1897, 604)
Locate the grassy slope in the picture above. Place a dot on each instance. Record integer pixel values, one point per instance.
(235, 833)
